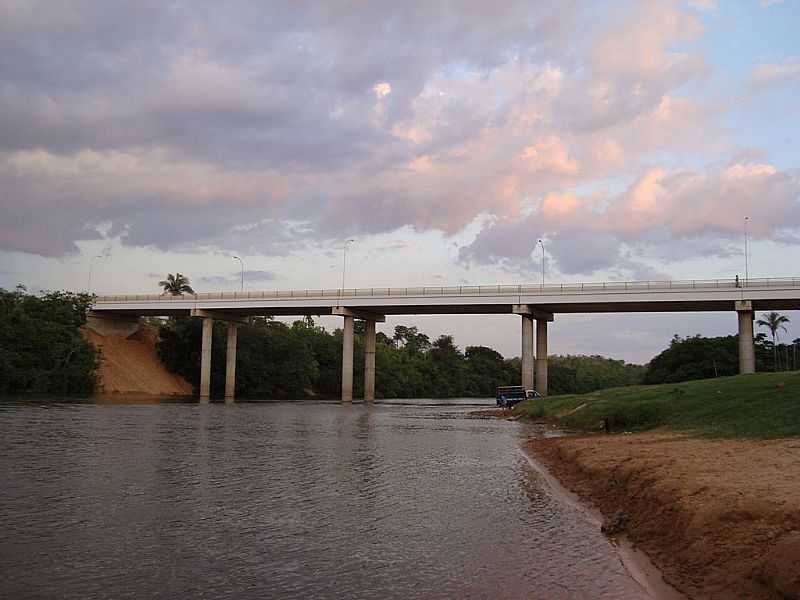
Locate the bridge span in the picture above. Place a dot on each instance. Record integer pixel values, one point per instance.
(539, 303)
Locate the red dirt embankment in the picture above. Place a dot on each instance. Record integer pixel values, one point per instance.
(130, 365)
(720, 518)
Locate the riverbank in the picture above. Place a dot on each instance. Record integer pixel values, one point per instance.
(762, 405)
(719, 518)
(130, 365)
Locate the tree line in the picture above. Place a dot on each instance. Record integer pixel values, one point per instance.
(301, 360)
(41, 346)
(698, 357)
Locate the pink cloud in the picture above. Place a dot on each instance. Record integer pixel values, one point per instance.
(705, 209)
(776, 73)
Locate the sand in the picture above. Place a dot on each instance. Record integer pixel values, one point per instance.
(131, 366)
(719, 518)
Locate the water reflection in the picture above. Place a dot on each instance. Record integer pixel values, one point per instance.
(285, 500)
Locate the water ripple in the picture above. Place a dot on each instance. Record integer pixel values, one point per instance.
(284, 500)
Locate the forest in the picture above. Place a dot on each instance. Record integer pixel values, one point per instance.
(276, 360)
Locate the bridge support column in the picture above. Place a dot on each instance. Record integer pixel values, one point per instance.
(370, 318)
(369, 361)
(230, 363)
(541, 356)
(205, 359)
(747, 353)
(347, 360)
(527, 352)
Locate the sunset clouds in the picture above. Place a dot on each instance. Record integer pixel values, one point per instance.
(181, 129)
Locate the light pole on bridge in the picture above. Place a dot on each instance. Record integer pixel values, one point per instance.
(344, 264)
(541, 243)
(746, 265)
(242, 263)
(89, 281)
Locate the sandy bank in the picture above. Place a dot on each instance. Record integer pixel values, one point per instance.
(130, 365)
(720, 518)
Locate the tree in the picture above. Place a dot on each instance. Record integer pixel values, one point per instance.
(42, 349)
(176, 285)
(411, 339)
(774, 322)
(696, 357)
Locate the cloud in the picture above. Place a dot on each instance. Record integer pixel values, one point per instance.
(662, 215)
(234, 279)
(704, 5)
(259, 275)
(267, 132)
(771, 74)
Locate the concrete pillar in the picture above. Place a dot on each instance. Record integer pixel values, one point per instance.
(541, 356)
(230, 363)
(205, 359)
(527, 352)
(347, 360)
(747, 353)
(369, 361)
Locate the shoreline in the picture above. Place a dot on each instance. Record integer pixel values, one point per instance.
(715, 518)
(638, 564)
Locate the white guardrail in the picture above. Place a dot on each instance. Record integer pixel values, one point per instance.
(468, 290)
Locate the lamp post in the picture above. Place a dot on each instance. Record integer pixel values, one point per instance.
(541, 243)
(89, 282)
(746, 265)
(242, 263)
(344, 264)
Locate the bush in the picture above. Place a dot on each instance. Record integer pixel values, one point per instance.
(42, 349)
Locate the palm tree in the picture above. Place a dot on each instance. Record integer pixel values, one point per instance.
(774, 322)
(176, 285)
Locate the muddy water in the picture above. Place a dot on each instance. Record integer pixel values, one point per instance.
(286, 500)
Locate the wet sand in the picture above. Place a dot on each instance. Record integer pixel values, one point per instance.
(719, 518)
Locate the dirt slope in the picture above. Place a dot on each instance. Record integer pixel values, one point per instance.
(721, 518)
(131, 365)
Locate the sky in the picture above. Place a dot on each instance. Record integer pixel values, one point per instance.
(445, 138)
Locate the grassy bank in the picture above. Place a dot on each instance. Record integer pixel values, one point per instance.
(764, 405)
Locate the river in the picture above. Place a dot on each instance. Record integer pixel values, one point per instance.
(286, 500)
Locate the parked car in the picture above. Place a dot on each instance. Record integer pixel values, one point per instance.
(509, 395)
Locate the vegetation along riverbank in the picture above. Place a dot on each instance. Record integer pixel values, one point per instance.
(701, 475)
(42, 349)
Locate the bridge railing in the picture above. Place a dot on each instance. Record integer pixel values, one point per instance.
(469, 290)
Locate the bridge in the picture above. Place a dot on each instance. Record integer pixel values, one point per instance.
(539, 303)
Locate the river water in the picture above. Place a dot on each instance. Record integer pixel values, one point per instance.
(286, 500)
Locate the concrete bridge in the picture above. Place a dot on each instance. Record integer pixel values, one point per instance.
(539, 303)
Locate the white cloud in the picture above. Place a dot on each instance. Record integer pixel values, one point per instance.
(704, 5)
(769, 74)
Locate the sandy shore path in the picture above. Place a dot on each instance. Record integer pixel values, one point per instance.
(720, 518)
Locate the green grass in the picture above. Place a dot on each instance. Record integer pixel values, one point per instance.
(764, 405)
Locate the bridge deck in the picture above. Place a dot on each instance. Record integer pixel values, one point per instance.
(627, 296)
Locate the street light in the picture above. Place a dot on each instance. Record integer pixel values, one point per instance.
(541, 243)
(89, 282)
(242, 263)
(344, 263)
(746, 266)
